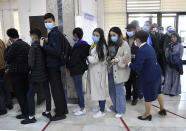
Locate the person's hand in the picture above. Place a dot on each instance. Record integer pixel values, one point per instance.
(46, 40)
(42, 41)
(133, 56)
(113, 61)
(126, 61)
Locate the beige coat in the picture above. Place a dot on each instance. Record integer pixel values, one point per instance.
(121, 70)
(96, 79)
(2, 61)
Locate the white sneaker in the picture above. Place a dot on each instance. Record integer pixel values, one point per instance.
(76, 109)
(96, 109)
(118, 115)
(80, 112)
(109, 110)
(99, 114)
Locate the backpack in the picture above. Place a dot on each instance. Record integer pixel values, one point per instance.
(65, 50)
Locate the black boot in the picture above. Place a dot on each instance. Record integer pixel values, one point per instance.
(163, 112)
(21, 116)
(147, 118)
(58, 117)
(28, 121)
(47, 115)
(134, 102)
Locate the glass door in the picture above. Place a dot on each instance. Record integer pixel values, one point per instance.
(182, 32)
(142, 18)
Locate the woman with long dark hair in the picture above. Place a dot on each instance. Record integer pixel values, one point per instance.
(174, 67)
(118, 71)
(97, 70)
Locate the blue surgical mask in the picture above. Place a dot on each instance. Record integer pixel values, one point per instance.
(170, 30)
(31, 41)
(161, 31)
(114, 38)
(168, 33)
(74, 38)
(145, 28)
(49, 26)
(130, 34)
(95, 39)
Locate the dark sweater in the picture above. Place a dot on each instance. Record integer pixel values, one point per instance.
(16, 56)
(78, 56)
(36, 61)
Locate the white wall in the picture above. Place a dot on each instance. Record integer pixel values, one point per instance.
(28, 8)
(6, 16)
(87, 7)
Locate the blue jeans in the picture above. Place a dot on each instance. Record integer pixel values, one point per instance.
(117, 95)
(79, 89)
(102, 105)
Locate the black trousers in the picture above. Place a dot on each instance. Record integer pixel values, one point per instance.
(132, 83)
(33, 89)
(57, 91)
(20, 86)
(5, 96)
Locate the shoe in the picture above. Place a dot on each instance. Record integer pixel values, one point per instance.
(3, 112)
(76, 109)
(171, 95)
(28, 121)
(134, 102)
(21, 116)
(99, 114)
(149, 118)
(58, 117)
(118, 115)
(10, 107)
(163, 112)
(141, 96)
(47, 115)
(110, 109)
(81, 112)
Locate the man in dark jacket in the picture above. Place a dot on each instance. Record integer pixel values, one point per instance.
(133, 79)
(78, 66)
(38, 77)
(16, 55)
(53, 49)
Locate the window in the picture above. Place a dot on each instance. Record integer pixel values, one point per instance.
(143, 5)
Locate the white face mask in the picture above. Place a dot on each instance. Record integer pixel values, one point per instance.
(135, 43)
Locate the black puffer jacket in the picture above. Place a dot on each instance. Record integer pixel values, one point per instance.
(78, 56)
(36, 61)
(16, 56)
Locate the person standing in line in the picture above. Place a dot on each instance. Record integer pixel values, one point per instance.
(38, 77)
(150, 74)
(174, 67)
(118, 71)
(77, 66)
(97, 71)
(133, 79)
(53, 49)
(16, 55)
(5, 96)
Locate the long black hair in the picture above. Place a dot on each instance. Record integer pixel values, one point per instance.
(119, 42)
(101, 44)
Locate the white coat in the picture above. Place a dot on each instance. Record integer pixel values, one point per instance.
(97, 73)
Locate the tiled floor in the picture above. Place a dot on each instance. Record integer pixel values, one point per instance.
(108, 123)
